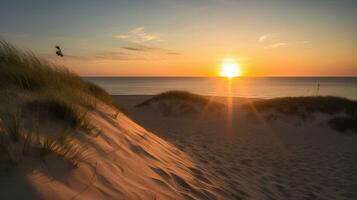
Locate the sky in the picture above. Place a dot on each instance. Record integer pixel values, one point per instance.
(187, 37)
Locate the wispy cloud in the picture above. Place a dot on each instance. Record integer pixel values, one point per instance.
(139, 35)
(266, 37)
(276, 45)
(113, 55)
(122, 37)
(271, 41)
(138, 48)
(144, 36)
(142, 48)
(116, 55)
(125, 53)
(173, 53)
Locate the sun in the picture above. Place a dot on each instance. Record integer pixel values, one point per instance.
(230, 68)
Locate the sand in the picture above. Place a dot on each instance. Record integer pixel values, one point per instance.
(256, 158)
(122, 161)
(199, 156)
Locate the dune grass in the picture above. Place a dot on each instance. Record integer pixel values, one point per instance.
(71, 152)
(177, 95)
(12, 124)
(343, 111)
(31, 143)
(46, 92)
(303, 105)
(24, 71)
(181, 103)
(56, 109)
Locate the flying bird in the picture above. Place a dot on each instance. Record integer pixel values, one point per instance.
(59, 51)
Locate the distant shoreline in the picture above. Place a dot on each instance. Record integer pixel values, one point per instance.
(219, 77)
(244, 87)
(217, 98)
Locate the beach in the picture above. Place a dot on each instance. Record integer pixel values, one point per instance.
(258, 158)
(63, 137)
(178, 100)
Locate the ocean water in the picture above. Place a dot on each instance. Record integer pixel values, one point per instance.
(257, 87)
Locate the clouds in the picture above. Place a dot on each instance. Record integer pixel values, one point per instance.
(138, 48)
(115, 56)
(124, 53)
(135, 53)
(135, 45)
(273, 41)
(139, 43)
(266, 37)
(150, 49)
(108, 55)
(139, 35)
(276, 45)
(144, 36)
(121, 37)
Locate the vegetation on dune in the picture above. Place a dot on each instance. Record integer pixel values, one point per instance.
(56, 109)
(305, 107)
(300, 105)
(179, 103)
(32, 91)
(30, 142)
(177, 95)
(23, 70)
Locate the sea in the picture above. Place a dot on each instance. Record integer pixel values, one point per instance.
(252, 87)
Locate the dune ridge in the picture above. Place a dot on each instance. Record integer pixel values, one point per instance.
(123, 162)
(64, 138)
(127, 162)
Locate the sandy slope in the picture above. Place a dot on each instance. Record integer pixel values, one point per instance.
(259, 159)
(124, 161)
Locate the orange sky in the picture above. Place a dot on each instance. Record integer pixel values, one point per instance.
(188, 38)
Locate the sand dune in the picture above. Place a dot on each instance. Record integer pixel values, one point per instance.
(62, 137)
(123, 162)
(258, 158)
(198, 156)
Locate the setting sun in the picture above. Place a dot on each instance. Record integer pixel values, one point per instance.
(199, 99)
(230, 69)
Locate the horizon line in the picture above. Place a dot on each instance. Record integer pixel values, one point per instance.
(283, 76)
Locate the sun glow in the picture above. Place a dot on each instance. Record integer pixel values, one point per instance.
(230, 68)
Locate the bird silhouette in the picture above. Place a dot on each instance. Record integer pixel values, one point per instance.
(59, 51)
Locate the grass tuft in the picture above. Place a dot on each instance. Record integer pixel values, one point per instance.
(176, 95)
(13, 126)
(71, 152)
(99, 93)
(182, 103)
(56, 109)
(22, 70)
(8, 153)
(302, 106)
